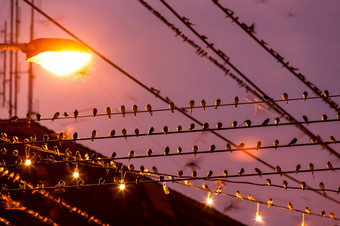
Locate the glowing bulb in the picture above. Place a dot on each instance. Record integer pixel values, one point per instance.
(122, 185)
(61, 63)
(303, 220)
(258, 215)
(28, 162)
(76, 172)
(209, 199)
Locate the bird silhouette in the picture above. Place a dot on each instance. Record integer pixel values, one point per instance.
(285, 184)
(278, 170)
(225, 173)
(265, 122)
(94, 112)
(113, 155)
(241, 171)
(325, 94)
(75, 113)
(305, 119)
(258, 145)
(108, 112)
(149, 109)
(276, 143)
(134, 110)
(180, 173)
(203, 104)
(124, 133)
(285, 97)
(93, 134)
(324, 117)
(305, 95)
(270, 202)
(329, 165)
(205, 126)
(165, 130)
(258, 171)
(238, 195)
(38, 116)
(322, 186)
(217, 103)
(194, 174)
(179, 150)
(290, 206)
(210, 173)
(112, 133)
(277, 121)
(247, 122)
(172, 107)
(234, 124)
(303, 185)
(179, 128)
(292, 142)
(137, 132)
(191, 105)
(267, 98)
(228, 147)
(268, 181)
(311, 168)
(236, 100)
(131, 154)
(122, 110)
(191, 127)
(195, 150)
(150, 131)
(331, 138)
(149, 152)
(131, 167)
(55, 116)
(297, 168)
(307, 210)
(219, 125)
(166, 150)
(212, 148)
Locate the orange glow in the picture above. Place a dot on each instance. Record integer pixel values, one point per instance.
(122, 186)
(209, 199)
(63, 62)
(28, 162)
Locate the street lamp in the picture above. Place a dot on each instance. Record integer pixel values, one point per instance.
(59, 56)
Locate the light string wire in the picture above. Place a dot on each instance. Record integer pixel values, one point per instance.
(15, 177)
(149, 89)
(226, 60)
(4, 221)
(29, 119)
(92, 138)
(277, 56)
(18, 206)
(186, 183)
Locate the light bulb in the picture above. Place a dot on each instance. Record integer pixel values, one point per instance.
(76, 172)
(258, 217)
(28, 162)
(209, 199)
(122, 186)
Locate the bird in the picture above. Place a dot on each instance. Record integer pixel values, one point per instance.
(297, 168)
(141, 168)
(212, 148)
(179, 128)
(219, 125)
(225, 173)
(305, 95)
(236, 100)
(179, 150)
(172, 107)
(165, 130)
(292, 142)
(75, 113)
(258, 145)
(285, 97)
(131, 167)
(241, 171)
(131, 154)
(112, 133)
(113, 155)
(180, 173)
(45, 137)
(278, 170)
(122, 110)
(238, 195)
(155, 170)
(124, 133)
(276, 143)
(28, 119)
(108, 112)
(338, 115)
(329, 165)
(149, 152)
(307, 209)
(258, 171)
(55, 116)
(93, 134)
(332, 139)
(228, 147)
(265, 122)
(270, 202)
(194, 174)
(150, 131)
(166, 150)
(247, 122)
(332, 215)
(195, 150)
(322, 186)
(305, 119)
(323, 213)
(268, 181)
(94, 112)
(303, 185)
(325, 94)
(203, 104)
(277, 121)
(241, 145)
(324, 117)
(137, 132)
(285, 184)
(267, 98)
(191, 105)
(290, 206)
(311, 168)
(210, 173)
(149, 109)
(205, 126)
(38, 116)
(191, 127)
(234, 124)
(217, 103)
(134, 110)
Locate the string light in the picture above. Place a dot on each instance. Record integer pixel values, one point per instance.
(258, 215)
(122, 185)
(76, 172)
(209, 199)
(303, 220)
(28, 162)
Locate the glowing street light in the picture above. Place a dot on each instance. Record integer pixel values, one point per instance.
(59, 56)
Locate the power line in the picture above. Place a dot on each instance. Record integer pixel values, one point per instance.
(250, 31)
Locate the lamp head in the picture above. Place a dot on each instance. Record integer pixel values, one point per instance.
(60, 56)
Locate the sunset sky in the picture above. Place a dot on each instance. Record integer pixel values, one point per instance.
(305, 33)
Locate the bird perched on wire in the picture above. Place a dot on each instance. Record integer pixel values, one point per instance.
(205, 126)
(258, 145)
(112, 133)
(134, 110)
(212, 148)
(285, 184)
(137, 132)
(234, 124)
(326, 94)
(210, 173)
(93, 134)
(191, 105)
(165, 130)
(149, 109)
(228, 147)
(195, 150)
(55, 116)
(268, 181)
(297, 168)
(329, 165)
(150, 131)
(276, 143)
(225, 173)
(179, 128)
(285, 97)
(219, 125)
(311, 168)
(303, 185)
(247, 122)
(324, 117)
(124, 133)
(277, 121)
(203, 104)
(241, 171)
(38, 116)
(278, 170)
(305, 119)
(322, 186)
(166, 150)
(75, 114)
(292, 142)
(191, 127)
(305, 95)
(172, 107)
(179, 150)
(258, 171)
(94, 112)
(131, 154)
(194, 174)
(265, 122)
(217, 103)
(108, 112)
(149, 152)
(236, 100)
(122, 110)
(290, 206)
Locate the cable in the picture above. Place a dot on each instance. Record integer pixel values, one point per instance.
(276, 55)
(147, 88)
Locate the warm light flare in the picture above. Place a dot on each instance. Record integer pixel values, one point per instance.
(209, 200)
(76, 173)
(122, 186)
(258, 215)
(28, 162)
(63, 62)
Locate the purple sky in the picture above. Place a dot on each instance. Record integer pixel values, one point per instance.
(306, 33)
